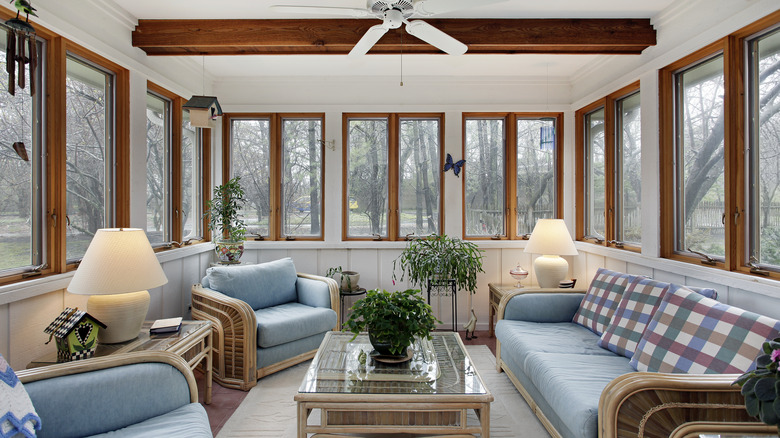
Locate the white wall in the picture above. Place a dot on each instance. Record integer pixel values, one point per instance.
(27, 308)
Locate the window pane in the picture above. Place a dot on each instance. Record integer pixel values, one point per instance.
(367, 161)
(765, 149)
(419, 177)
(700, 145)
(251, 148)
(302, 183)
(88, 141)
(629, 174)
(485, 176)
(19, 177)
(158, 137)
(190, 180)
(595, 189)
(536, 145)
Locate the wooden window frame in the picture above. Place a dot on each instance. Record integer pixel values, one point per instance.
(510, 168)
(393, 138)
(610, 168)
(275, 222)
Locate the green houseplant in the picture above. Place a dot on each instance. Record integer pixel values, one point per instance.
(392, 319)
(439, 257)
(347, 280)
(223, 212)
(761, 387)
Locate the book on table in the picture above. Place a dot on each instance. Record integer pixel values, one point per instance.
(167, 325)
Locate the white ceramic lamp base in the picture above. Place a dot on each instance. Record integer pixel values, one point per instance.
(550, 270)
(123, 315)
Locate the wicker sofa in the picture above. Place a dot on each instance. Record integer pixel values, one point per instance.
(579, 388)
(265, 317)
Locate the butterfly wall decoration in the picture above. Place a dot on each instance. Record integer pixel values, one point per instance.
(456, 166)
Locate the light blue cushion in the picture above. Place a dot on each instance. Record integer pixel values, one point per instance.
(279, 353)
(189, 421)
(262, 285)
(314, 293)
(288, 322)
(100, 401)
(543, 307)
(571, 385)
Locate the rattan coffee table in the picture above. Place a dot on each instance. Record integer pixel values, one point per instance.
(431, 394)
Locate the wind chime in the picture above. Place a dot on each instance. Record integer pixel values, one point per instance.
(21, 48)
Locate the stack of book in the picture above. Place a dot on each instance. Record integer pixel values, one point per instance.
(168, 325)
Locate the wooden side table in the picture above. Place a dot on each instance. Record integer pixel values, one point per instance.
(498, 291)
(193, 342)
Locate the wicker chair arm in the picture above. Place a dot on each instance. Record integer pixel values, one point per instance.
(655, 404)
(235, 336)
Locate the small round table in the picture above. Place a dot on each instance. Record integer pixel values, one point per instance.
(349, 293)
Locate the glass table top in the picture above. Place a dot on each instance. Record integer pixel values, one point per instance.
(438, 366)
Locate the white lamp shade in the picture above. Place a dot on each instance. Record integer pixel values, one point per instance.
(551, 237)
(118, 260)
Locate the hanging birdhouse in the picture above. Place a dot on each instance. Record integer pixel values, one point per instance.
(75, 332)
(204, 111)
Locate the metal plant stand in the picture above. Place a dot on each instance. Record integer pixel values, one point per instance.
(445, 288)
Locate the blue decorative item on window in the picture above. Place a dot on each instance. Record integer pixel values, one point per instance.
(455, 166)
(547, 138)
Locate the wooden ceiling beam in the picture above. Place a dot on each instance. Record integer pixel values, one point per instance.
(338, 36)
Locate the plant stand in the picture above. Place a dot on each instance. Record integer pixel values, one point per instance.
(443, 288)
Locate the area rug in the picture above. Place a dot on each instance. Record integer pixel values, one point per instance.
(269, 410)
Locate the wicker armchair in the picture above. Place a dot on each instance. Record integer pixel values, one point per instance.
(235, 347)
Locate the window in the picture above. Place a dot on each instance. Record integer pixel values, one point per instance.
(279, 158)
(191, 180)
(393, 180)
(609, 157)
(719, 144)
(158, 169)
(22, 163)
(89, 149)
(512, 169)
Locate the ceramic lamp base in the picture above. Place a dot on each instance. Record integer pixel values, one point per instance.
(550, 270)
(123, 315)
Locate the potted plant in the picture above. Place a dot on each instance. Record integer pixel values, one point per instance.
(761, 387)
(392, 320)
(440, 258)
(223, 214)
(348, 280)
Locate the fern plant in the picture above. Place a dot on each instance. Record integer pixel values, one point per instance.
(439, 257)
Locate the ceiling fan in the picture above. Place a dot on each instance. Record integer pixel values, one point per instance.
(393, 14)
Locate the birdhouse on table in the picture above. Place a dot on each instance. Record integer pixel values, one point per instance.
(204, 111)
(75, 332)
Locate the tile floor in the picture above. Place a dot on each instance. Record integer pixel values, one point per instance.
(224, 401)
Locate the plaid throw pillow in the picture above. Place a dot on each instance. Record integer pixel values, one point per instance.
(602, 298)
(635, 310)
(693, 334)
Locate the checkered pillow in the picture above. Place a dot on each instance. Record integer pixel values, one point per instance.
(693, 334)
(637, 307)
(602, 298)
(705, 291)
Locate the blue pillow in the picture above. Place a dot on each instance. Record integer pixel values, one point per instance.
(262, 285)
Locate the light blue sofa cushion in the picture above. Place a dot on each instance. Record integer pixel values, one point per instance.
(571, 385)
(86, 404)
(279, 353)
(189, 421)
(313, 293)
(288, 322)
(543, 307)
(262, 285)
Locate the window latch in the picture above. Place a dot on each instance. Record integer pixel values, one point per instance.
(376, 236)
(596, 239)
(617, 243)
(37, 270)
(289, 237)
(706, 259)
(410, 236)
(755, 268)
(525, 236)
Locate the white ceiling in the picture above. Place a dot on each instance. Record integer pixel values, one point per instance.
(560, 66)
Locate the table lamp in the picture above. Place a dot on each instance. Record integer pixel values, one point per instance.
(116, 271)
(551, 239)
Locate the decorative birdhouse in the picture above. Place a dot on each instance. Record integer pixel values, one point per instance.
(75, 332)
(204, 111)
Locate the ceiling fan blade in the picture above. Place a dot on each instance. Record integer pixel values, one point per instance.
(430, 7)
(368, 40)
(321, 10)
(435, 37)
